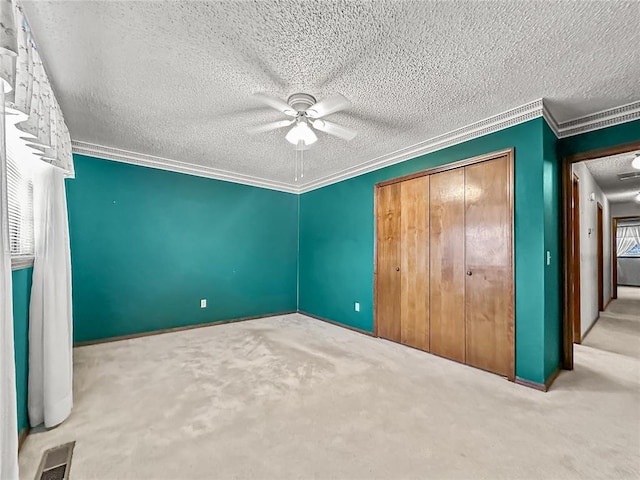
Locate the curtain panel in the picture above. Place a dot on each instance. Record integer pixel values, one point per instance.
(626, 239)
(26, 96)
(8, 407)
(28, 92)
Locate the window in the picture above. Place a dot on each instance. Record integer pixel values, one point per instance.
(634, 252)
(20, 197)
(628, 240)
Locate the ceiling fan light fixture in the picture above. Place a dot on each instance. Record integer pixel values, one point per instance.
(636, 162)
(301, 132)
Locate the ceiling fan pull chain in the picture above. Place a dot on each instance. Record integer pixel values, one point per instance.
(297, 159)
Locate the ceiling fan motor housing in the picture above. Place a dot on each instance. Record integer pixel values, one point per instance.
(301, 101)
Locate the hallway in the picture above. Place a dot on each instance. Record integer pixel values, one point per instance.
(618, 329)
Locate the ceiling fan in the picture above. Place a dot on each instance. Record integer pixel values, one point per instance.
(307, 115)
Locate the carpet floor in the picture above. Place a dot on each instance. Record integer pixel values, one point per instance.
(292, 397)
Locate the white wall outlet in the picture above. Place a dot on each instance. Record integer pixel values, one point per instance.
(548, 257)
(356, 306)
(203, 303)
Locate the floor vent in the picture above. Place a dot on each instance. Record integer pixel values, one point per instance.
(56, 463)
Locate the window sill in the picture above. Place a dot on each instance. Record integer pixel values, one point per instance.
(18, 263)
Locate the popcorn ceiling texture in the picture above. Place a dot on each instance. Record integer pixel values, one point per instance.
(605, 172)
(174, 79)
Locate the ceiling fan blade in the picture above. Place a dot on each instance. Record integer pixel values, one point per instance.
(329, 105)
(334, 129)
(275, 102)
(270, 126)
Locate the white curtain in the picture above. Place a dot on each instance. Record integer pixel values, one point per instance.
(50, 322)
(8, 408)
(28, 97)
(626, 239)
(29, 93)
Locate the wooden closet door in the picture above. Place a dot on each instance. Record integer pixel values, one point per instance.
(489, 271)
(388, 285)
(414, 265)
(447, 269)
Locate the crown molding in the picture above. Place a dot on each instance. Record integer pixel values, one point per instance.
(484, 127)
(510, 118)
(529, 111)
(596, 121)
(144, 160)
(550, 119)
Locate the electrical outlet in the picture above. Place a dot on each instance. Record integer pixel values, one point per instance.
(356, 306)
(548, 257)
(203, 303)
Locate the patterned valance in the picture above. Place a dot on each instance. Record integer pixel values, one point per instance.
(28, 92)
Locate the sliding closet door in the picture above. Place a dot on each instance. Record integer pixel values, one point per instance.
(489, 271)
(388, 275)
(414, 265)
(447, 269)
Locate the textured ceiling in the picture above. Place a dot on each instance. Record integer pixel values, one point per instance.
(605, 172)
(174, 79)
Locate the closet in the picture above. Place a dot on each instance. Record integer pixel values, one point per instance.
(444, 262)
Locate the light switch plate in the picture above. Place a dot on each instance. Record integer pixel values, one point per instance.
(203, 303)
(356, 306)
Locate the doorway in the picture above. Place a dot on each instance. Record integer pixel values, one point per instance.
(615, 259)
(572, 233)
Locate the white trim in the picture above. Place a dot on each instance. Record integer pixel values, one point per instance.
(515, 116)
(599, 120)
(20, 262)
(504, 120)
(142, 159)
(551, 121)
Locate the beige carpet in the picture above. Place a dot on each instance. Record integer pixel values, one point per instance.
(294, 398)
(628, 301)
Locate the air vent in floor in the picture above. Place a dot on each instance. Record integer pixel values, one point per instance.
(56, 463)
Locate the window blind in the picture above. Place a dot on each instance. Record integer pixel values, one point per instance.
(20, 203)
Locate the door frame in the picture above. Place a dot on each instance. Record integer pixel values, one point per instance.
(614, 252)
(600, 254)
(574, 253)
(509, 152)
(567, 231)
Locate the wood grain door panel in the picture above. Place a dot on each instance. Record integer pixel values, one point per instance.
(447, 267)
(414, 265)
(388, 285)
(489, 271)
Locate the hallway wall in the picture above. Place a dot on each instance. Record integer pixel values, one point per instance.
(625, 209)
(629, 271)
(589, 247)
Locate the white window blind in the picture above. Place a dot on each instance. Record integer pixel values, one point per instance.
(20, 193)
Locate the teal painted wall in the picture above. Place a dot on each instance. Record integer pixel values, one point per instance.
(337, 241)
(147, 245)
(21, 280)
(553, 271)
